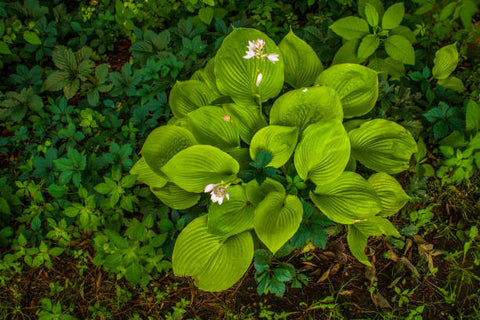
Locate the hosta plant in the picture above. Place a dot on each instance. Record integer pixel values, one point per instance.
(240, 140)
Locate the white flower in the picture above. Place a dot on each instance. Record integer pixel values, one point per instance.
(259, 79)
(255, 49)
(218, 191)
(273, 57)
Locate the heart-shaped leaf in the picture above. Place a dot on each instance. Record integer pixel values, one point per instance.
(323, 152)
(390, 192)
(214, 262)
(175, 197)
(347, 199)
(189, 95)
(356, 85)
(302, 65)
(163, 143)
(196, 167)
(247, 119)
(383, 146)
(211, 125)
(280, 141)
(147, 175)
(302, 107)
(233, 216)
(277, 218)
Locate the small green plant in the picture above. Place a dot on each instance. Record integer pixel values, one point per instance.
(53, 311)
(374, 28)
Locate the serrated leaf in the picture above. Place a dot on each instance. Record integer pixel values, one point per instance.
(347, 199)
(362, 4)
(350, 28)
(214, 262)
(195, 167)
(279, 141)
(356, 85)
(302, 65)
(371, 15)
(368, 46)
(323, 152)
(4, 48)
(399, 48)
(277, 218)
(32, 38)
(206, 14)
(393, 16)
(452, 83)
(383, 146)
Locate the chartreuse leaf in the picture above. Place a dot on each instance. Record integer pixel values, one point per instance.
(147, 175)
(246, 119)
(391, 194)
(255, 193)
(452, 83)
(280, 141)
(189, 95)
(237, 77)
(302, 107)
(357, 242)
(214, 262)
(323, 152)
(382, 145)
(209, 77)
(232, 216)
(356, 85)
(371, 15)
(347, 199)
(445, 62)
(350, 28)
(347, 53)
(368, 46)
(393, 16)
(302, 65)
(163, 143)
(210, 125)
(359, 233)
(400, 48)
(277, 218)
(197, 166)
(175, 197)
(377, 4)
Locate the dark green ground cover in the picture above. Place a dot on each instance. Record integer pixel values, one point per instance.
(83, 83)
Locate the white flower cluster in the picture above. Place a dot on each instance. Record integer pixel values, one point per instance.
(218, 191)
(255, 49)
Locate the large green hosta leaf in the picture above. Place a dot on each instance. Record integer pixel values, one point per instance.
(207, 75)
(147, 175)
(214, 262)
(256, 193)
(175, 197)
(163, 143)
(302, 107)
(347, 199)
(247, 119)
(211, 125)
(233, 216)
(382, 145)
(277, 218)
(280, 141)
(237, 77)
(391, 193)
(357, 86)
(302, 65)
(197, 166)
(189, 95)
(323, 152)
(359, 233)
